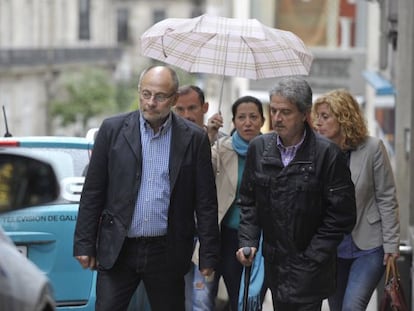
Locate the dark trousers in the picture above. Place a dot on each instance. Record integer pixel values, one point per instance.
(282, 306)
(144, 260)
(230, 268)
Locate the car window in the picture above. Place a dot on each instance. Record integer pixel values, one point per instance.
(67, 163)
(61, 161)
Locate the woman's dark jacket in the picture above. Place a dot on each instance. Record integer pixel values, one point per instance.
(304, 209)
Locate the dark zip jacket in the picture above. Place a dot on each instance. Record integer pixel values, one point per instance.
(304, 209)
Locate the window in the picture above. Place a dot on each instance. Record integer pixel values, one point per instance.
(158, 15)
(307, 19)
(122, 16)
(84, 16)
(318, 22)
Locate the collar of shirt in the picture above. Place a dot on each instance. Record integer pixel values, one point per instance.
(294, 147)
(288, 153)
(145, 126)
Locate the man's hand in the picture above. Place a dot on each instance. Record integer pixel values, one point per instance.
(246, 261)
(208, 274)
(213, 125)
(207, 271)
(87, 262)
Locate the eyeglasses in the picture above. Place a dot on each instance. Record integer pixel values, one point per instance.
(158, 97)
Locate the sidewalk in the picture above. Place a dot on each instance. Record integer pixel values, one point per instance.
(372, 306)
(267, 304)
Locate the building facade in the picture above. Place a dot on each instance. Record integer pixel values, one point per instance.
(39, 40)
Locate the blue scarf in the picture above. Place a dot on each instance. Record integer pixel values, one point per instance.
(239, 144)
(256, 282)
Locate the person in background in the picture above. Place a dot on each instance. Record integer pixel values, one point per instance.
(228, 156)
(296, 190)
(192, 106)
(200, 292)
(150, 177)
(376, 235)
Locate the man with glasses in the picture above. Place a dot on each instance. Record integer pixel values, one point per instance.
(149, 174)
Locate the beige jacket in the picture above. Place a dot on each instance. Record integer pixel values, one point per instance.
(225, 164)
(376, 199)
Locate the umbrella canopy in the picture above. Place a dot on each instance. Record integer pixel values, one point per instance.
(227, 46)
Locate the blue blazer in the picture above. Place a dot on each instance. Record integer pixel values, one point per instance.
(111, 188)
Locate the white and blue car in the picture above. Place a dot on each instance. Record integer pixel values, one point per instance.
(44, 233)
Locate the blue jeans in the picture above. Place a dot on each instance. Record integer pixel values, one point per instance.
(200, 294)
(357, 279)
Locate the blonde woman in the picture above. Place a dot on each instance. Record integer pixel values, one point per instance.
(376, 235)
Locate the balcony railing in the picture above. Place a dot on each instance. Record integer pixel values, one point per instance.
(14, 58)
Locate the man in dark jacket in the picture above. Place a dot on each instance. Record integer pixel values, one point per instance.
(297, 188)
(149, 173)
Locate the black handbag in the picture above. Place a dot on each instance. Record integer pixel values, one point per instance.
(393, 298)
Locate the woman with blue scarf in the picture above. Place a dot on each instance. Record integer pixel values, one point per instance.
(228, 156)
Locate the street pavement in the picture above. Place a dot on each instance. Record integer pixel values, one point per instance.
(221, 303)
(372, 306)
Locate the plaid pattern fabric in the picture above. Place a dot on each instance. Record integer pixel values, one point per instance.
(227, 46)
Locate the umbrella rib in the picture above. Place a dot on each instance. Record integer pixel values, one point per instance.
(162, 41)
(163, 49)
(200, 48)
(253, 55)
(224, 71)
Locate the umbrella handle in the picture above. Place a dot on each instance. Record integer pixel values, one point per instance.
(247, 271)
(246, 251)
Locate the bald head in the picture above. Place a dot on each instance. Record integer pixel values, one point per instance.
(161, 70)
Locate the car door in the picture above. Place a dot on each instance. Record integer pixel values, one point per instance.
(44, 233)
